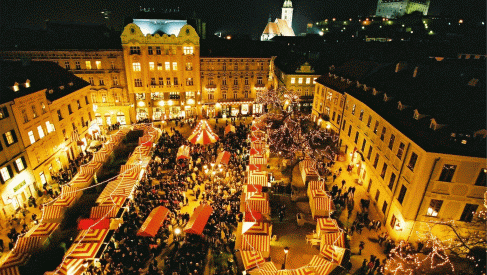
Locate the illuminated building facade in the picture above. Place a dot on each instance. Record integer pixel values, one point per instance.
(282, 26)
(419, 152)
(47, 115)
(229, 85)
(397, 8)
(163, 72)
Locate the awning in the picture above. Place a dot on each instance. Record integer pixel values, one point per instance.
(321, 206)
(256, 242)
(253, 216)
(202, 134)
(100, 156)
(14, 270)
(86, 170)
(305, 270)
(251, 259)
(51, 212)
(129, 171)
(114, 200)
(183, 152)
(257, 180)
(321, 265)
(250, 188)
(71, 267)
(318, 193)
(27, 244)
(336, 239)
(333, 253)
(229, 128)
(13, 259)
(43, 229)
(153, 222)
(261, 206)
(316, 185)
(142, 150)
(260, 228)
(66, 201)
(117, 187)
(255, 167)
(223, 158)
(326, 225)
(198, 220)
(84, 250)
(85, 224)
(266, 268)
(92, 235)
(105, 212)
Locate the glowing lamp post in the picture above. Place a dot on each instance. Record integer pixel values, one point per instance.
(177, 232)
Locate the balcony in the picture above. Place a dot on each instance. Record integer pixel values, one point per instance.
(210, 87)
(259, 86)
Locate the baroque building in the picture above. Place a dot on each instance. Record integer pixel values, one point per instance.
(415, 135)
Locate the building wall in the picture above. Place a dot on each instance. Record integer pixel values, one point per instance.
(421, 182)
(229, 85)
(152, 100)
(103, 69)
(399, 8)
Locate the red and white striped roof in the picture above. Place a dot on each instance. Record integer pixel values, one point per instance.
(52, 212)
(336, 239)
(91, 235)
(66, 201)
(256, 242)
(84, 250)
(99, 212)
(321, 265)
(13, 270)
(202, 134)
(71, 266)
(257, 179)
(14, 259)
(332, 253)
(261, 206)
(326, 225)
(42, 229)
(27, 244)
(251, 258)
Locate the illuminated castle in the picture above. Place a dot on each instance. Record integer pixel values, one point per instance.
(397, 8)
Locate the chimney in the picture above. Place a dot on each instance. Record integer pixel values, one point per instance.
(415, 73)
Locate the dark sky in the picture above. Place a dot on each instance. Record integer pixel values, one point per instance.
(242, 16)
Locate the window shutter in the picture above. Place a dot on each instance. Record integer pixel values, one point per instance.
(24, 162)
(15, 167)
(14, 135)
(1, 147)
(11, 173)
(5, 139)
(5, 112)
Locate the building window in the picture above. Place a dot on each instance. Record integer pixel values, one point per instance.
(308, 80)
(293, 80)
(327, 110)
(158, 50)
(376, 127)
(300, 80)
(70, 111)
(447, 172)
(189, 81)
(135, 50)
(235, 66)
(49, 127)
(393, 222)
(259, 80)
(10, 137)
(188, 50)
(138, 82)
(79, 104)
(98, 64)
(24, 116)
(102, 82)
(211, 96)
(402, 194)
(5, 174)
(361, 116)
(434, 208)
(369, 121)
(78, 65)
(66, 65)
(31, 137)
(363, 145)
(153, 81)
(353, 109)
(356, 137)
(246, 94)
(59, 116)
(370, 152)
(391, 141)
(86, 100)
(377, 195)
(88, 65)
(168, 81)
(246, 81)
(19, 163)
(167, 65)
(467, 214)
(151, 66)
(224, 94)
(189, 66)
(384, 207)
(412, 161)
(376, 161)
(161, 81)
(159, 66)
(481, 178)
(392, 180)
(235, 95)
(91, 80)
(40, 131)
(149, 51)
(344, 124)
(115, 80)
(112, 65)
(136, 66)
(175, 66)
(400, 150)
(176, 81)
(383, 134)
(349, 130)
(384, 170)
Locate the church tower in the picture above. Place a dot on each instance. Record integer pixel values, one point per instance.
(287, 13)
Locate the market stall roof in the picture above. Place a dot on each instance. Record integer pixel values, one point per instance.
(321, 265)
(153, 222)
(336, 239)
(84, 250)
(253, 216)
(13, 270)
(198, 220)
(251, 259)
(183, 152)
(92, 235)
(229, 128)
(42, 229)
(335, 254)
(27, 244)
(223, 158)
(260, 228)
(202, 134)
(14, 259)
(72, 267)
(256, 242)
(326, 225)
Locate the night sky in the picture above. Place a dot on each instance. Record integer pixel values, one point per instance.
(240, 16)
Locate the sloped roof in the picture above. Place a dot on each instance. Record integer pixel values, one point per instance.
(279, 28)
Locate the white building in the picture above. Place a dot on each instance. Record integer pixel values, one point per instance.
(282, 26)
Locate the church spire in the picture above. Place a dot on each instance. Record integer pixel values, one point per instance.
(270, 18)
(287, 4)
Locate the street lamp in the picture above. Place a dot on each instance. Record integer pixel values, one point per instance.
(177, 231)
(286, 250)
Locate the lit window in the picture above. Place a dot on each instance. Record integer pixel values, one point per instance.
(31, 137)
(189, 66)
(308, 80)
(9, 138)
(98, 64)
(159, 66)
(293, 80)
(136, 66)
(115, 81)
(175, 66)
(138, 82)
(434, 208)
(151, 66)
(88, 65)
(5, 174)
(412, 161)
(168, 66)
(40, 131)
(24, 116)
(49, 127)
(300, 80)
(188, 50)
(20, 164)
(78, 65)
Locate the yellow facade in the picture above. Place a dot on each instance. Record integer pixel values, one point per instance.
(400, 177)
(229, 85)
(162, 73)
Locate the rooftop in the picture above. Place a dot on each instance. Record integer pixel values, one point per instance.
(237, 48)
(41, 75)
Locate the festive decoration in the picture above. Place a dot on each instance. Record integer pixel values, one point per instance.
(202, 134)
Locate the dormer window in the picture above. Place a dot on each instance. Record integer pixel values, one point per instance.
(27, 83)
(70, 83)
(15, 87)
(349, 81)
(464, 141)
(416, 115)
(433, 124)
(386, 98)
(61, 87)
(473, 82)
(375, 92)
(358, 84)
(365, 87)
(400, 107)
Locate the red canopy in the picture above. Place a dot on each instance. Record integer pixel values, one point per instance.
(255, 167)
(223, 158)
(254, 151)
(253, 216)
(153, 222)
(198, 220)
(86, 223)
(183, 152)
(254, 188)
